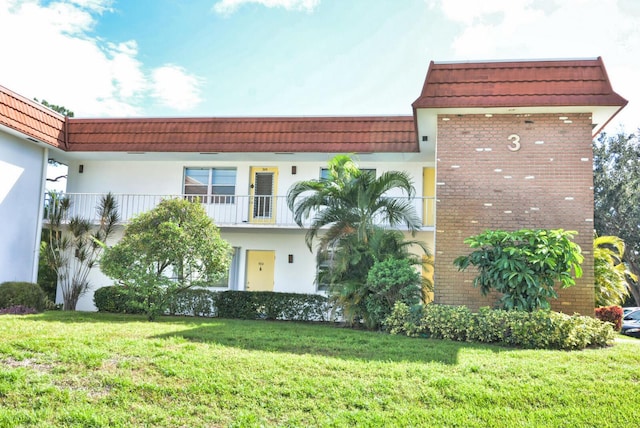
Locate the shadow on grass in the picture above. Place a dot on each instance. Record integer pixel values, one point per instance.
(317, 339)
(327, 340)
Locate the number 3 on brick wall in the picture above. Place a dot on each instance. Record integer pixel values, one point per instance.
(515, 142)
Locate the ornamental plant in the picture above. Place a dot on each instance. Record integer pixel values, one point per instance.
(525, 265)
(165, 251)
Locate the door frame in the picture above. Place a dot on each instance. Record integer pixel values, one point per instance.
(252, 197)
(248, 269)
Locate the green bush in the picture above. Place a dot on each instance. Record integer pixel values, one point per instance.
(447, 322)
(115, 299)
(390, 281)
(405, 319)
(271, 305)
(540, 329)
(524, 266)
(23, 293)
(197, 302)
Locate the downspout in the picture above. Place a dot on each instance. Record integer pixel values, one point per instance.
(36, 246)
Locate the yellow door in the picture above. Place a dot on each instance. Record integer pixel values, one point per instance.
(260, 270)
(429, 193)
(262, 198)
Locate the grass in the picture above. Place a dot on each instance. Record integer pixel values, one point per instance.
(92, 370)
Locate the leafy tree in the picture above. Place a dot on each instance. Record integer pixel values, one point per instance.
(60, 109)
(617, 199)
(348, 207)
(74, 246)
(47, 277)
(171, 248)
(523, 265)
(611, 273)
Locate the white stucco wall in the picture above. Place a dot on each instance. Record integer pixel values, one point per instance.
(21, 194)
(166, 178)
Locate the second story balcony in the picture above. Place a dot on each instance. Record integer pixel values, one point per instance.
(225, 210)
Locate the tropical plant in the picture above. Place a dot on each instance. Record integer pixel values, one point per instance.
(171, 248)
(523, 265)
(610, 272)
(616, 180)
(75, 245)
(349, 206)
(350, 262)
(352, 201)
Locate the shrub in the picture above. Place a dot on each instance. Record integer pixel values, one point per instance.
(390, 281)
(524, 266)
(271, 305)
(18, 310)
(612, 314)
(196, 302)
(22, 293)
(447, 322)
(114, 299)
(540, 329)
(405, 319)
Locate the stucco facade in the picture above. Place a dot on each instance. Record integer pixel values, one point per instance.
(490, 145)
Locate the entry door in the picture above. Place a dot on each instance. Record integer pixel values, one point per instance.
(429, 192)
(260, 270)
(262, 196)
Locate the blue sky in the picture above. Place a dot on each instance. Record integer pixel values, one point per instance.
(291, 57)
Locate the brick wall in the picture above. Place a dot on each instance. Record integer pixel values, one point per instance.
(482, 184)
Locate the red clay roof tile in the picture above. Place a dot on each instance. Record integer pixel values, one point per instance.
(277, 134)
(518, 84)
(31, 118)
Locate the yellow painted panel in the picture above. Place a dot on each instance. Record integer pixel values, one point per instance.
(263, 191)
(429, 191)
(427, 272)
(260, 270)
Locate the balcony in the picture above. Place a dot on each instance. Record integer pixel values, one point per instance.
(226, 211)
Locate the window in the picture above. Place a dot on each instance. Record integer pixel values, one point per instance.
(230, 280)
(324, 264)
(324, 172)
(210, 185)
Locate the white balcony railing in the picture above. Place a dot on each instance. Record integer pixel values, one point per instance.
(226, 211)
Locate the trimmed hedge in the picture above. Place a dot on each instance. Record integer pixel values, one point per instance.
(540, 329)
(196, 302)
(25, 294)
(612, 314)
(114, 299)
(272, 306)
(227, 304)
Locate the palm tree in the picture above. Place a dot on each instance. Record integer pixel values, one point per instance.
(351, 200)
(351, 261)
(349, 206)
(610, 271)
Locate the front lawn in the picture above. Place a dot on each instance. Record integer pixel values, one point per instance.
(78, 369)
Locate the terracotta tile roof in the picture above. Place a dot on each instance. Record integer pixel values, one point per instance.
(518, 84)
(275, 134)
(31, 118)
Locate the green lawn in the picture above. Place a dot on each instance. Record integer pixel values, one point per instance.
(77, 369)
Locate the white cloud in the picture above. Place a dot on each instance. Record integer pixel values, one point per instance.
(50, 53)
(227, 7)
(174, 87)
(521, 29)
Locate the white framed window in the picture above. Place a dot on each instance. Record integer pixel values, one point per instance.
(230, 280)
(210, 185)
